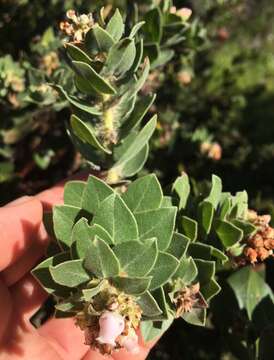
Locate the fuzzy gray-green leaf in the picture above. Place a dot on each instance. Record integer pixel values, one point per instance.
(144, 194)
(64, 217)
(95, 192)
(178, 245)
(149, 305)
(120, 57)
(136, 258)
(116, 218)
(132, 285)
(140, 141)
(86, 133)
(82, 236)
(77, 103)
(115, 26)
(70, 273)
(73, 192)
(163, 270)
(157, 223)
(182, 188)
(228, 233)
(101, 260)
(95, 81)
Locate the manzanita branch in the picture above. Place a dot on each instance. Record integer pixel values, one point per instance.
(131, 257)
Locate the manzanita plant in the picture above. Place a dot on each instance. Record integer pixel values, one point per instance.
(123, 255)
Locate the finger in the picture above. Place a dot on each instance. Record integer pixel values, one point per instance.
(24, 264)
(95, 355)
(19, 225)
(65, 338)
(28, 296)
(5, 309)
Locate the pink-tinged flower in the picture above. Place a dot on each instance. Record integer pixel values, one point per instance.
(130, 342)
(184, 13)
(111, 326)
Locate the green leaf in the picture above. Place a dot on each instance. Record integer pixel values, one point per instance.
(93, 79)
(85, 133)
(89, 293)
(206, 270)
(66, 307)
(163, 58)
(115, 26)
(248, 228)
(64, 217)
(149, 305)
(216, 191)
(211, 289)
(79, 104)
(116, 218)
(121, 57)
(135, 164)
(196, 317)
(187, 270)
(69, 273)
(178, 245)
(152, 330)
(205, 215)
(240, 205)
(77, 54)
(182, 188)
(137, 259)
(135, 29)
(98, 40)
(141, 80)
(144, 194)
(95, 192)
(166, 202)
(163, 270)
(73, 192)
(160, 297)
(140, 110)
(225, 208)
(132, 286)
(140, 141)
(228, 233)
(250, 288)
(153, 25)
(138, 56)
(101, 260)
(157, 223)
(42, 274)
(82, 236)
(190, 227)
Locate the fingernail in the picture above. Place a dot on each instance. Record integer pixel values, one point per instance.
(19, 201)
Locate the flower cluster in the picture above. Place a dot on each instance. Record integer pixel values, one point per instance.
(77, 26)
(110, 320)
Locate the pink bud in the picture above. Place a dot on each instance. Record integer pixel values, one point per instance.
(184, 13)
(111, 326)
(130, 343)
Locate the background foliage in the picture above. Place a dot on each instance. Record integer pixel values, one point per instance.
(215, 102)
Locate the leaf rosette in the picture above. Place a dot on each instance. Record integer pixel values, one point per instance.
(120, 252)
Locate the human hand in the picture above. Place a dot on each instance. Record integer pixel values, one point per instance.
(23, 241)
